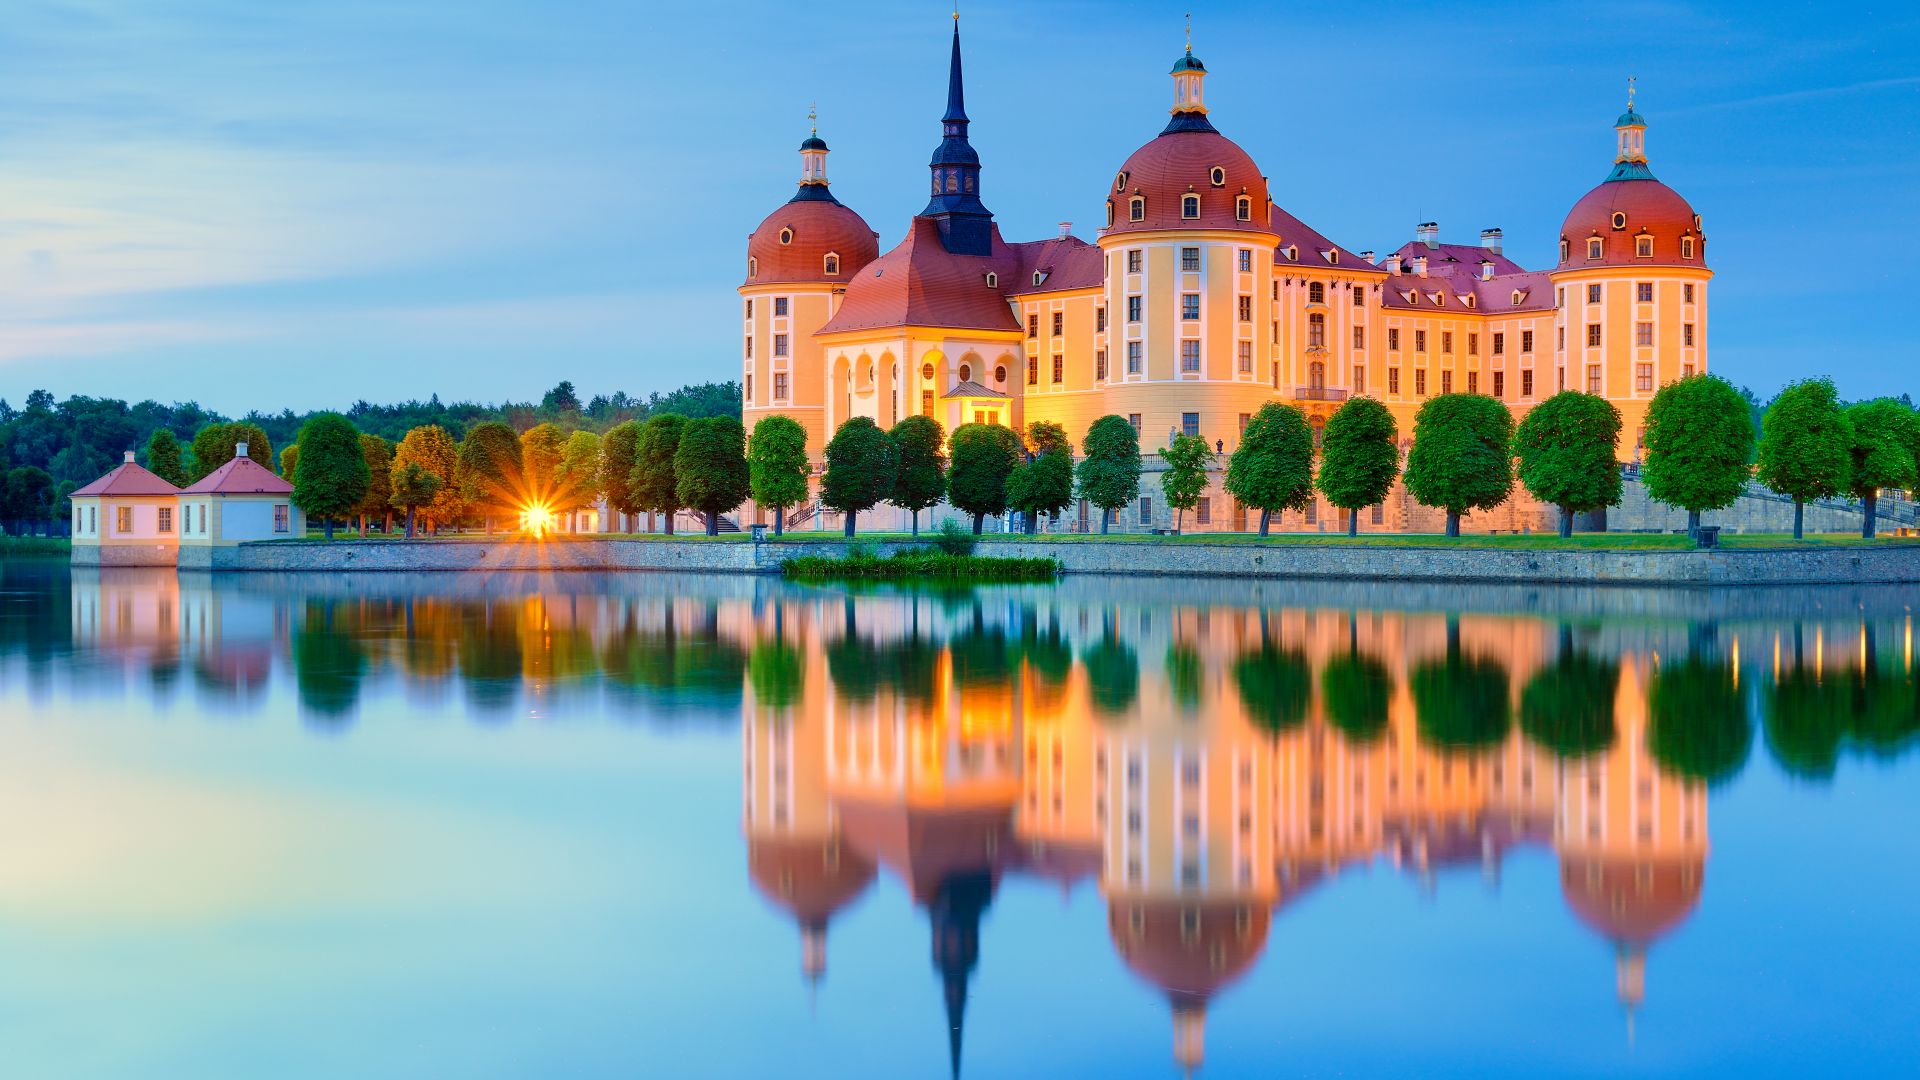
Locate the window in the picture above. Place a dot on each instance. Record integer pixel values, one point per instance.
(1686, 371)
(1033, 371)
(1526, 384)
(1190, 424)
(1246, 358)
(1473, 382)
(1473, 344)
(1317, 375)
(1499, 343)
(753, 268)
(1100, 365)
(1189, 356)
(1133, 309)
(1393, 380)
(1499, 384)
(166, 519)
(1133, 360)
(1246, 261)
(1393, 338)
(1203, 513)
(1593, 335)
(1643, 378)
(1189, 206)
(993, 280)
(1317, 330)
(1218, 176)
(1273, 332)
(1643, 333)
(1316, 292)
(1137, 209)
(1420, 382)
(1686, 293)
(1059, 323)
(1561, 337)
(1033, 326)
(1643, 247)
(281, 518)
(1619, 219)
(779, 344)
(1109, 213)
(1686, 334)
(1059, 369)
(749, 394)
(1246, 309)
(1359, 296)
(749, 307)
(1134, 419)
(779, 386)
(1359, 337)
(1190, 259)
(1593, 248)
(1593, 294)
(926, 370)
(1446, 382)
(1643, 291)
(1526, 341)
(1686, 247)
(1419, 341)
(832, 264)
(1133, 261)
(1563, 249)
(1446, 341)
(1189, 306)
(1146, 501)
(1100, 319)
(926, 403)
(1593, 378)
(1276, 374)
(786, 236)
(1377, 515)
(749, 348)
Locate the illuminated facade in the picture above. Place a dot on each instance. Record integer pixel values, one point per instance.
(1201, 300)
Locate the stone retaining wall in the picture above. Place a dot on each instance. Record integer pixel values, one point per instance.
(1803, 566)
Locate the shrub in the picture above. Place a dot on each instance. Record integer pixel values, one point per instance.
(953, 538)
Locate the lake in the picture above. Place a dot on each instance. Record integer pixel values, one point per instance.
(657, 825)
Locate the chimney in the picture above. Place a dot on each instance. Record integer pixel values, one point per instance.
(1393, 263)
(129, 458)
(1486, 269)
(1428, 233)
(1368, 255)
(1420, 265)
(239, 449)
(1490, 239)
(1066, 229)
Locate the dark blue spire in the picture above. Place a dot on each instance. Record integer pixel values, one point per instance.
(966, 225)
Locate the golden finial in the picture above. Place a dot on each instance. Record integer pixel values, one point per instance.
(1630, 89)
(956, 10)
(813, 118)
(1189, 33)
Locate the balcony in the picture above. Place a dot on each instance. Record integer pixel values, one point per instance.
(1319, 393)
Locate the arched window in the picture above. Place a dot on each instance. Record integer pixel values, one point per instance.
(832, 262)
(1137, 208)
(786, 235)
(993, 280)
(1000, 374)
(1218, 176)
(1316, 375)
(1109, 211)
(1686, 247)
(1566, 249)
(953, 182)
(966, 372)
(926, 371)
(753, 267)
(1643, 246)
(1189, 206)
(1593, 247)
(1243, 209)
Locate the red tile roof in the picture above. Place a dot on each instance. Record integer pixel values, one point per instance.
(921, 283)
(1176, 164)
(1650, 207)
(1311, 248)
(128, 479)
(820, 226)
(241, 476)
(1065, 262)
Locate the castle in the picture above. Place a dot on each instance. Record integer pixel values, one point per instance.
(1202, 299)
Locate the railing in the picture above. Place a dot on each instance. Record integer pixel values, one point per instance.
(1319, 393)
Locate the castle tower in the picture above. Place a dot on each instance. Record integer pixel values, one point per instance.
(966, 225)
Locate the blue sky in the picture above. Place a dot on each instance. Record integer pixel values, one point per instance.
(299, 204)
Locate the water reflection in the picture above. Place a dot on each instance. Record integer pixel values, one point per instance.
(1203, 765)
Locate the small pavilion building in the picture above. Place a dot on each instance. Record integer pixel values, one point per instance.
(240, 501)
(128, 517)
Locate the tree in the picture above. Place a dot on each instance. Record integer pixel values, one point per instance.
(1272, 468)
(1359, 457)
(542, 447)
(433, 450)
(1699, 445)
(577, 483)
(379, 498)
(213, 446)
(289, 461)
(1276, 687)
(333, 474)
(616, 468)
(1567, 707)
(489, 472)
(1186, 476)
(1461, 458)
(711, 467)
(26, 496)
(1042, 484)
(165, 458)
(561, 399)
(1697, 722)
(984, 457)
(1109, 472)
(861, 469)
(777, 466)
(1357, 690)
(1805, 446)
(414, 486)
(1880, 452)
(653, 485)
(1566, 447)
(922, 478)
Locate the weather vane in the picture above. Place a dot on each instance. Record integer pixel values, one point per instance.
(1629, 93)
(813, 117)
(1189, 33)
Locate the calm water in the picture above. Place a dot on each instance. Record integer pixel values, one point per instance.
(653, 825)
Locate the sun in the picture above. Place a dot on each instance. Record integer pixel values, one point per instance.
(537, 519)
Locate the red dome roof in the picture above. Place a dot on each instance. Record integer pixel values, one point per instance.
(1636, 902)
(811, 877)
(1220, 941)
(1180, 162)
(820, 226)
(1650, 207)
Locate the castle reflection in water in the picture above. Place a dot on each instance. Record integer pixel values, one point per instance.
(1202, 764)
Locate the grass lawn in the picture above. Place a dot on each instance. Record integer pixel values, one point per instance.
(34, 545)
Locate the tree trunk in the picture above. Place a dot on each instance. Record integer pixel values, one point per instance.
(1179, 519)
(779, 519)
(713, 523)
(1453, 523)
(977, 519)
(409, 522)
(1566, 523)
(388, 528)
(326, 525)
(1266, 518)
(1693, 522)
(1106, 516)
(916, 523)
(1799, 518)
(1869, 502)
(849, 524)
(1353, 523)
(668, 518)
(1033, 520)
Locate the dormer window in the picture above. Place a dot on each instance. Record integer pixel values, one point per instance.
(1189, 206)
(1619, 219)
(1566, 249)
(1291, 252)
(1137, 208)
(1643, 246)
(1593, 247)
(1218, 176)
(993, 280)
(1332, 255)
(831, 264)
(1243, 209)
(1467, 299)
(753, 267)
(1686, 247)
(1518, 296)
(1120, 182)
(786, 235)
(1039, 276)
(1109, 212)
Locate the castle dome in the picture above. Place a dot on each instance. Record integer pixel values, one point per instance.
(1632, 901)
(810, 877)
(1190, 950)
(1189, 157)
(1630, 208)
(813, 237)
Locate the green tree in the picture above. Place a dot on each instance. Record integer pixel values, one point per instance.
(1357, 690)
(379, 497)
(1042, 484)
(711, 467)
(1109, 471)
(1186, 477)
(1460, 701)
(165, 458)
(489, 472)
(542, 448)
(922, 479)
(1359, 457)
(1699, 445)
(333, 473)
(616, 468)
(1276, 687)
(1113, 674)
(1462, 455)
(654, 486)
(1805, 446)
(984, 457)
(1272, 468)
(577, 483)
(1567, 707)
(777, 466)
(1697, 722)
(861, 468)
(213, 446)
(27, 497)
(414, 486)
(289, 461)
(1566, 447)
(434, 451)
(1880, 453)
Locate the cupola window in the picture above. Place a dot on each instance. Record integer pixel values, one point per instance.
(1593, 247)
(1565, 249)
(1643, 246)
(1137, 208)
(993, 280)
(1218, 176)
(1686, 247)
(1109, 212)
(1120, 182)
(1243, 209)
(832, 264)
(753, 267)
(786, 235)
(1189, 206)
(1619, 219)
